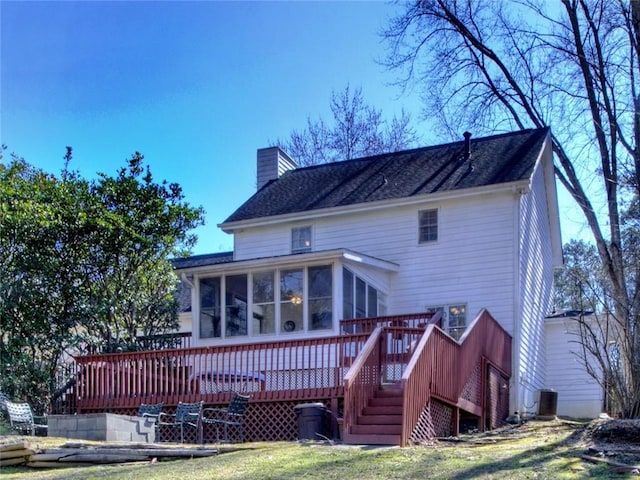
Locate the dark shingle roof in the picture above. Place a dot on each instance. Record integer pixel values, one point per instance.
(202, 260)
(497, 159)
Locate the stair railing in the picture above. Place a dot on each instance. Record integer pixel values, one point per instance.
(440, 366)
(363, 378)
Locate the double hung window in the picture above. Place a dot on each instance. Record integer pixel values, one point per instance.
(428, 225)
(301, 239)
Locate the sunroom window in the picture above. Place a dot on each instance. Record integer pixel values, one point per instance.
(210, 308)
(320, 298)
(236, 305)
(291, 300)
(268, 302)
(360, 299)
(264, 307)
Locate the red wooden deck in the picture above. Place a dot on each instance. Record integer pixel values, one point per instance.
(436, 376)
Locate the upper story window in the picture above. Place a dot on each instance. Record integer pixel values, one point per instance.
(454, 318)
(428, 228)
(301, 239)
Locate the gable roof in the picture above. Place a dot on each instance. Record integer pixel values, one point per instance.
(496, 159)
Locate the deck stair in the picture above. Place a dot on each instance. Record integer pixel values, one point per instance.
(380, 422)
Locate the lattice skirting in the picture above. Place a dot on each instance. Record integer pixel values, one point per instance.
(436, 420)
(264, 421)
(472, 389)
(498, 398)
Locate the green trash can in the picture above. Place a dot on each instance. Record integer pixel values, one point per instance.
(310, 417)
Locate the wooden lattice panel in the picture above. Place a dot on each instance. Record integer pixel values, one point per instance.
(498, 398)
(271, 421)
(442, 417)
(424, 429)
(472, 390)
(436, 420)
(264, 421)
(267, 421)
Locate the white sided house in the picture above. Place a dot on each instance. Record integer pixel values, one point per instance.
(459, 228)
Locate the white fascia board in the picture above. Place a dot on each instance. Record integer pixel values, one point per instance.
(552, 202)
(296, 259)
(521, 187)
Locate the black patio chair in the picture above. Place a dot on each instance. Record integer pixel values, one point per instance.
(188, 415)
(232, 415)
(150, 410)
(23, 420)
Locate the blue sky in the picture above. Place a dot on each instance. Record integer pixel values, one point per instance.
(197, 87)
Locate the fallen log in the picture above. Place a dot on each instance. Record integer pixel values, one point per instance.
(150, 452)
(25, 452)
(12, 462)
(139, 445)
(57, 464)
(46, 457)
(619, 465)
(102, 458)
(7, 447)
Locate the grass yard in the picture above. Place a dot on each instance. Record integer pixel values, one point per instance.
(536, 450)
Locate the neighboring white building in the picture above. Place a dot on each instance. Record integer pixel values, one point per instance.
(459, 227)
(579, 395)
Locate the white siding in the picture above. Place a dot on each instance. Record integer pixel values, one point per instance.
(579, 395)
(472, 261)
(536, 283)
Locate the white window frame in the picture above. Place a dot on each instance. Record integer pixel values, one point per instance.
(421, 240)
(457, 331)
(301, 239)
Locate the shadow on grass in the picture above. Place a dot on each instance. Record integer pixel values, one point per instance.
(534, 460)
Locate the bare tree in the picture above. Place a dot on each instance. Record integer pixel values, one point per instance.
(358, 130)
(573, 65)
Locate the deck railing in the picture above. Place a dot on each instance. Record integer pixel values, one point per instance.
(441, 366)
(282, 370)
(369, 324)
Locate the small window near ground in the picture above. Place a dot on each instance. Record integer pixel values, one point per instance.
(428, 225)
(301, 239)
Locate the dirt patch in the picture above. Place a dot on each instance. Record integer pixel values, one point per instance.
(617, 440)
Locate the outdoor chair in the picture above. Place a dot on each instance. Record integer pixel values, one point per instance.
(150, 410)
(188, 415)
(23, 420)
(232, 415)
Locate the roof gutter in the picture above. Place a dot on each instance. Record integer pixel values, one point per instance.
(521, 186)
(295, 259)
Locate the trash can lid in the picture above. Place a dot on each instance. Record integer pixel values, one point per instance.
(309, 405)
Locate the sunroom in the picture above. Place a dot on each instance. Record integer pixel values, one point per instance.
(292, 296)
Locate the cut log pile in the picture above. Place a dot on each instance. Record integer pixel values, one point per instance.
(73, 454)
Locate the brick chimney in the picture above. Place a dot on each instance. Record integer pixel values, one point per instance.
(272, 163)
